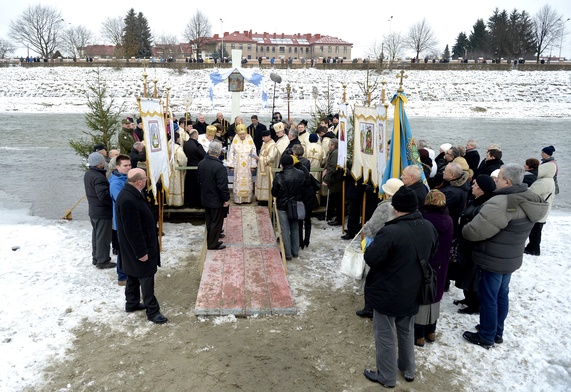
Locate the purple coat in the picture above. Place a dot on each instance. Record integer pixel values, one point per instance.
(439, 262)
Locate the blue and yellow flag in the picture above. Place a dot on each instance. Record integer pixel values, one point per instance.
(402, 150)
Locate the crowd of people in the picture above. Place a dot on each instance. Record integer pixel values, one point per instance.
(470, 218)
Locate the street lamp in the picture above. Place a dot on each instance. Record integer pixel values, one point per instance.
(390, 24)
(562, 34)
(222, 49)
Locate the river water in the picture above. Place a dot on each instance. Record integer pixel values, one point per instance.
(40, 169)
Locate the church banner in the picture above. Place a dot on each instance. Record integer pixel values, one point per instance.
(158, 167)
(366, 145)
(382, 137)
(342, 135)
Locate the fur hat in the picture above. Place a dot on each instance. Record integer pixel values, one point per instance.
(99, 147)
(549, 150)
(486, 183)
(95, 159)
(266, 133)
(435, 198)
(279, 126)
(139, 120)
(211, 130)
(303, 122)
(391, 186)
(313, 138)
(445, 147)
(405, 200)
(287, 160)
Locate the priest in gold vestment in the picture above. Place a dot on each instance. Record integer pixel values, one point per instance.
(243, 159)
(269, 156)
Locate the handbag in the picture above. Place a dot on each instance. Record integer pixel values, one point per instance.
(429, 282)
(353, 261)
(295, 210)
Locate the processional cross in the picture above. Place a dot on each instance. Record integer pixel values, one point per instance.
(401, 75)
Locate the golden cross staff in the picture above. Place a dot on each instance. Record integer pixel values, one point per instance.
(145, 78)
(401, 75)
(155, 80)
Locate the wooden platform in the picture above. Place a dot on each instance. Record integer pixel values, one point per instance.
(247, 277)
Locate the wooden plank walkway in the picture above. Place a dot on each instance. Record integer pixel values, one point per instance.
(247, 277)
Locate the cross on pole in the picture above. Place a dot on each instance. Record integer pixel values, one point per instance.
(401, 75)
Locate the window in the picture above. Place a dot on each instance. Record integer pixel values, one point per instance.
(240, 47)
(249, 47)
(232, 46)
(295, 50)
(267, 49)
(337, 49)
(273, 49)
(321, 49)
(282, 49)
(306, 50)
(345, 49)
(329, 49)
(289, 49)
(261, 49)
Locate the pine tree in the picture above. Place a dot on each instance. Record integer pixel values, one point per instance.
(102, 118)
(498, 36)
(446, 54)
(145, 37)
(130, 35)
(459, 49)
(478, 39)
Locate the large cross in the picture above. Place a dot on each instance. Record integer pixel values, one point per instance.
(401, 75)
(236, 63)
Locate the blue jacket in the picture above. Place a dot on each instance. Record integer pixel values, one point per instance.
(116, 184)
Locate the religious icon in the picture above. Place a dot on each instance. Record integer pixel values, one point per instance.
(235, 82)
(367, 131)
(342, 132)
(381, 128)
(155, 139)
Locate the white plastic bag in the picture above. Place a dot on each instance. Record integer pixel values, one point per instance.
(353, 262)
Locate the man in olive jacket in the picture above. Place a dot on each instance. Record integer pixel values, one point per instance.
(393, 284)
(139, 246)
(500, 230)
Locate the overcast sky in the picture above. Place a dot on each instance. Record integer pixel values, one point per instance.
(358, 22)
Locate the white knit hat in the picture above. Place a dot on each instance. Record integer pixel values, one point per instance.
(392, 186)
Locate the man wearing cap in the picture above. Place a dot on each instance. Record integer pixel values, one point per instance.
(282, 141)
(269, 154)
(139, 246)
(547, 156)
(500, 230)
(255, 130)
(205, 139)
(138, 132)
(288, 185)
(125, 137)
(393, 284)
(441, 157)
(100, 210)
(213, 179)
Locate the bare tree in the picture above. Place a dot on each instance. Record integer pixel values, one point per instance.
(38, 27)
(75, 39)
(6, 48)
(197, 31)
(421, 37)
(394, 44)
(375, 51)
(548, 29)
(112, 30)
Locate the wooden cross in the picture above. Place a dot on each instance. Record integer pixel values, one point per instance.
(401, 76)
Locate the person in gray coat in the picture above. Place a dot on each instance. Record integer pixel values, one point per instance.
(500, 228)
(544, 186)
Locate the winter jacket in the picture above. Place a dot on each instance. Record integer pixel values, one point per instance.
(308, 193)
(472, 159)
(439, 262)
(544, 186)
(288, 184)
(394, 280)
(378, 220)
(456, 192)
(334, 177)
(213, 178)
(488, 167)
(137, 233)
(126, 141)
(193, 151)
(420, 189)
(116, 184)
(502, 226)
(97, 192)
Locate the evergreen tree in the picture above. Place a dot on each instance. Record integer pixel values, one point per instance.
(446, 54)
(520, 33)
(478, 40)
(459, 49)
(102, 118)
(130, 39)
(145, 37)
(498, 36)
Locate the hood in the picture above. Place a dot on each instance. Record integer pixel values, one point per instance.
(532, 204)
(546, 170)
(460, 181)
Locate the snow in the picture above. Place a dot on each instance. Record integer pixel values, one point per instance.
(48, 286)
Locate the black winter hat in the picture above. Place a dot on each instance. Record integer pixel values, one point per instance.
(405, 200)
(486, 183)
(287, 160)
(99, 147)
(549, 150)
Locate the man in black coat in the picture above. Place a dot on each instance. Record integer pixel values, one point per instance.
(491, 162)
(393, 284)
(100, 210)
(194, 153)
(411, 177)
(213, 179)
(472, 155)
(255, 130)
(200, 124)
(139, 246)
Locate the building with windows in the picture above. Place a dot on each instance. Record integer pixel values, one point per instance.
(284, 46)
